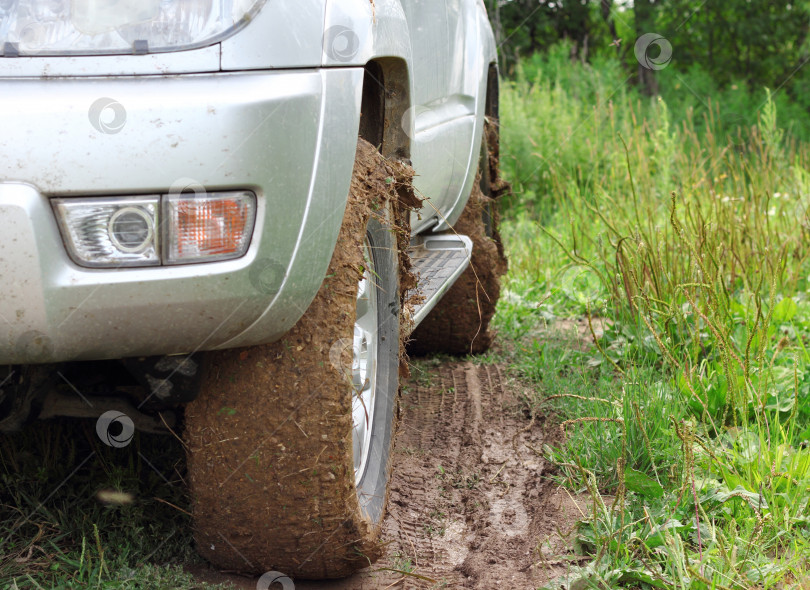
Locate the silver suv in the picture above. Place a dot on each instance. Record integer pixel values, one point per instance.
(237, 212)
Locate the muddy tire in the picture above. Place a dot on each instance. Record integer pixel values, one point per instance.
(459, 324)
(272, 441)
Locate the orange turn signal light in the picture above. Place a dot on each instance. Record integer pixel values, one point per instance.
(208, 227)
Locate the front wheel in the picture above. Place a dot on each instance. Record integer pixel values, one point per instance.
(289, 443)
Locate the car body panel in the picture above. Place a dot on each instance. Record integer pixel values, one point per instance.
(281, 35)
(234, 143)
(283, 123)
(482, 53)
(444, 111)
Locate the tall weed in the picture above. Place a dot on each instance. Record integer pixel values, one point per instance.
(687, 235)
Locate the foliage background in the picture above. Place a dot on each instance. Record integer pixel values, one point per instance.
(728, 48)
(665, 213)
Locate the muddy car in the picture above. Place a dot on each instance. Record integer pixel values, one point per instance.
(228, 220)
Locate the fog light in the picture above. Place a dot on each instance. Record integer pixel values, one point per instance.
(131, 229)
(208, 227)
(110, 232)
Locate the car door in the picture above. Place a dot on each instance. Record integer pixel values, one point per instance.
(443, 112)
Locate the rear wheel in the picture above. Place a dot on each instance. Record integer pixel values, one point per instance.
(289, 443)
(459, 324)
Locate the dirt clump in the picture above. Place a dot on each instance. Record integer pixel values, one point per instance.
(498, 186)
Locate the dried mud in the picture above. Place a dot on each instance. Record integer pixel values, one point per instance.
(471, 504)
(269, 438)
(459, 324)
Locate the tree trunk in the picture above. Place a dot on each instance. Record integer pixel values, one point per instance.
(495, 17)
(607, 7)
(645, 21)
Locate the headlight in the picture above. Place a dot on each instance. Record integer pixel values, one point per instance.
(112, 232)
(58, 27)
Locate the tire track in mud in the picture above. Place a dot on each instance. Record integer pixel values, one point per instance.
(470, 504)
(484, 503)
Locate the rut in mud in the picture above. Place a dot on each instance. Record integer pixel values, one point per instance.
(471, 504)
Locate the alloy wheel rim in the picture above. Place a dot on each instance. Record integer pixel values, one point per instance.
(364, 365)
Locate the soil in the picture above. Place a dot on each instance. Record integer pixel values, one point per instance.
(498, 186)
(471, 502)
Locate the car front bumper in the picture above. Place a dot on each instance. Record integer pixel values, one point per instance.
(289, 136)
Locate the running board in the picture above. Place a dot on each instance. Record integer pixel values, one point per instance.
(438, 261)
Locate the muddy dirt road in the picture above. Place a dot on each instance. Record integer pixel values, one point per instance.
(471, 504)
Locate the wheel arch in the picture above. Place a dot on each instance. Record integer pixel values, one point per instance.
(374, 30)
(385, 104)
(379, 36)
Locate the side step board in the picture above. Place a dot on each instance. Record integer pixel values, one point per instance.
(438, 261)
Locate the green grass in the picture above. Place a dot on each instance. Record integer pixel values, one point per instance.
(687, 418)
(60, 527)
